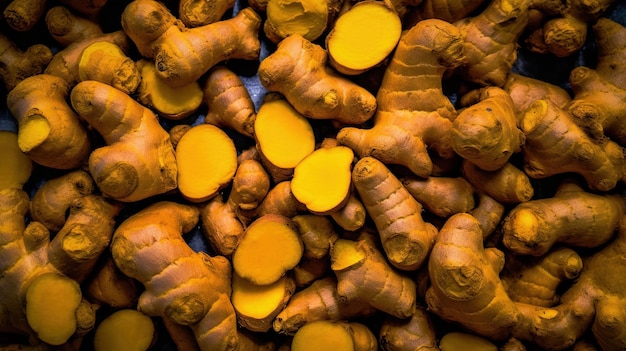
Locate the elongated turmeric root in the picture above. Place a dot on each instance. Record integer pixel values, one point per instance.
(533, 227)
(413, 114)
(405, 237)
(138, 160)
(191, 288)
(67, 26)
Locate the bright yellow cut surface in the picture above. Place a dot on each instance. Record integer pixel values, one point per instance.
(207, 159)
(33, 132)
(364, 35)
(322, 180)
(322, 335)
(16, 167)
(267, 250)
(454, 341)
(51, 303)
(102, 48)
(128, 330)
(305, 17)
(257, 301)
(284, 135)
(344, 253)
(168, 100)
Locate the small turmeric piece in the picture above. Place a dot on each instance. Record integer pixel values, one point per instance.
(23, 15)
(308, 18)
(206, 160)
(228, 101)
(195, 13)
(220, 225)
(340, 336)
(507, 185)
(441, 196)
(66, 26)
(457, 340)
(250, 185)
(414, 333)
(16, 166)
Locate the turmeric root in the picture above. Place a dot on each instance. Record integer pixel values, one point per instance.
(171, 103)
(507, 185)
(317, 234)
(609, 38)
(364, 275)
(189, 287)
(138, 160)
(449, 11)
(298, 70)
(105, 62)
(441, 196)
(65, 62)
(352, 215)
(355, 45)
(537, 280)
(413, 114)
(415, 333)
(525, 90)
(181, 55)
(126, 329)
(280, 200)
(405, 237)
(486, 132)
(258, 305)
(491, 41)
(316, 302)
(533, 227)
(107, 285)
(206, 161)
(16, 65)
(53, 198)
(322, 179)
(255, 257)
(221, 226)
(49, 131)
(66, 26)
(601, 164)
(455, 340)
(39, 300)
(250, 185)
(228, 101)
(23, 15)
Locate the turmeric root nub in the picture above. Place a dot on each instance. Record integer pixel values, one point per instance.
(51, 303)
(207, 161)
(363, 37)
(271, 246)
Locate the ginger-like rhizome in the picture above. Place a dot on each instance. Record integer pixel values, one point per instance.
(439, 183)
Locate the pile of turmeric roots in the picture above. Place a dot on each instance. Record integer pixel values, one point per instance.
(313, 175)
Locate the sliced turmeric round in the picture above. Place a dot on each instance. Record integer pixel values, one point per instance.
(363, 37)
(322, 180)
(270, 247)
(125, 329)
(207, 160)
(323, 335)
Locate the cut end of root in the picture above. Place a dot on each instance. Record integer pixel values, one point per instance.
(345, 254)
(33, 132)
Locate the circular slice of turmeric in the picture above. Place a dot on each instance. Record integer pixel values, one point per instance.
(207, 160)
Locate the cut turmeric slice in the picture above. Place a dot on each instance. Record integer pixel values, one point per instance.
(270, 247)
(284, 136)
(363, 37)
(126, 329)
(322, 180)
(207, 160)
